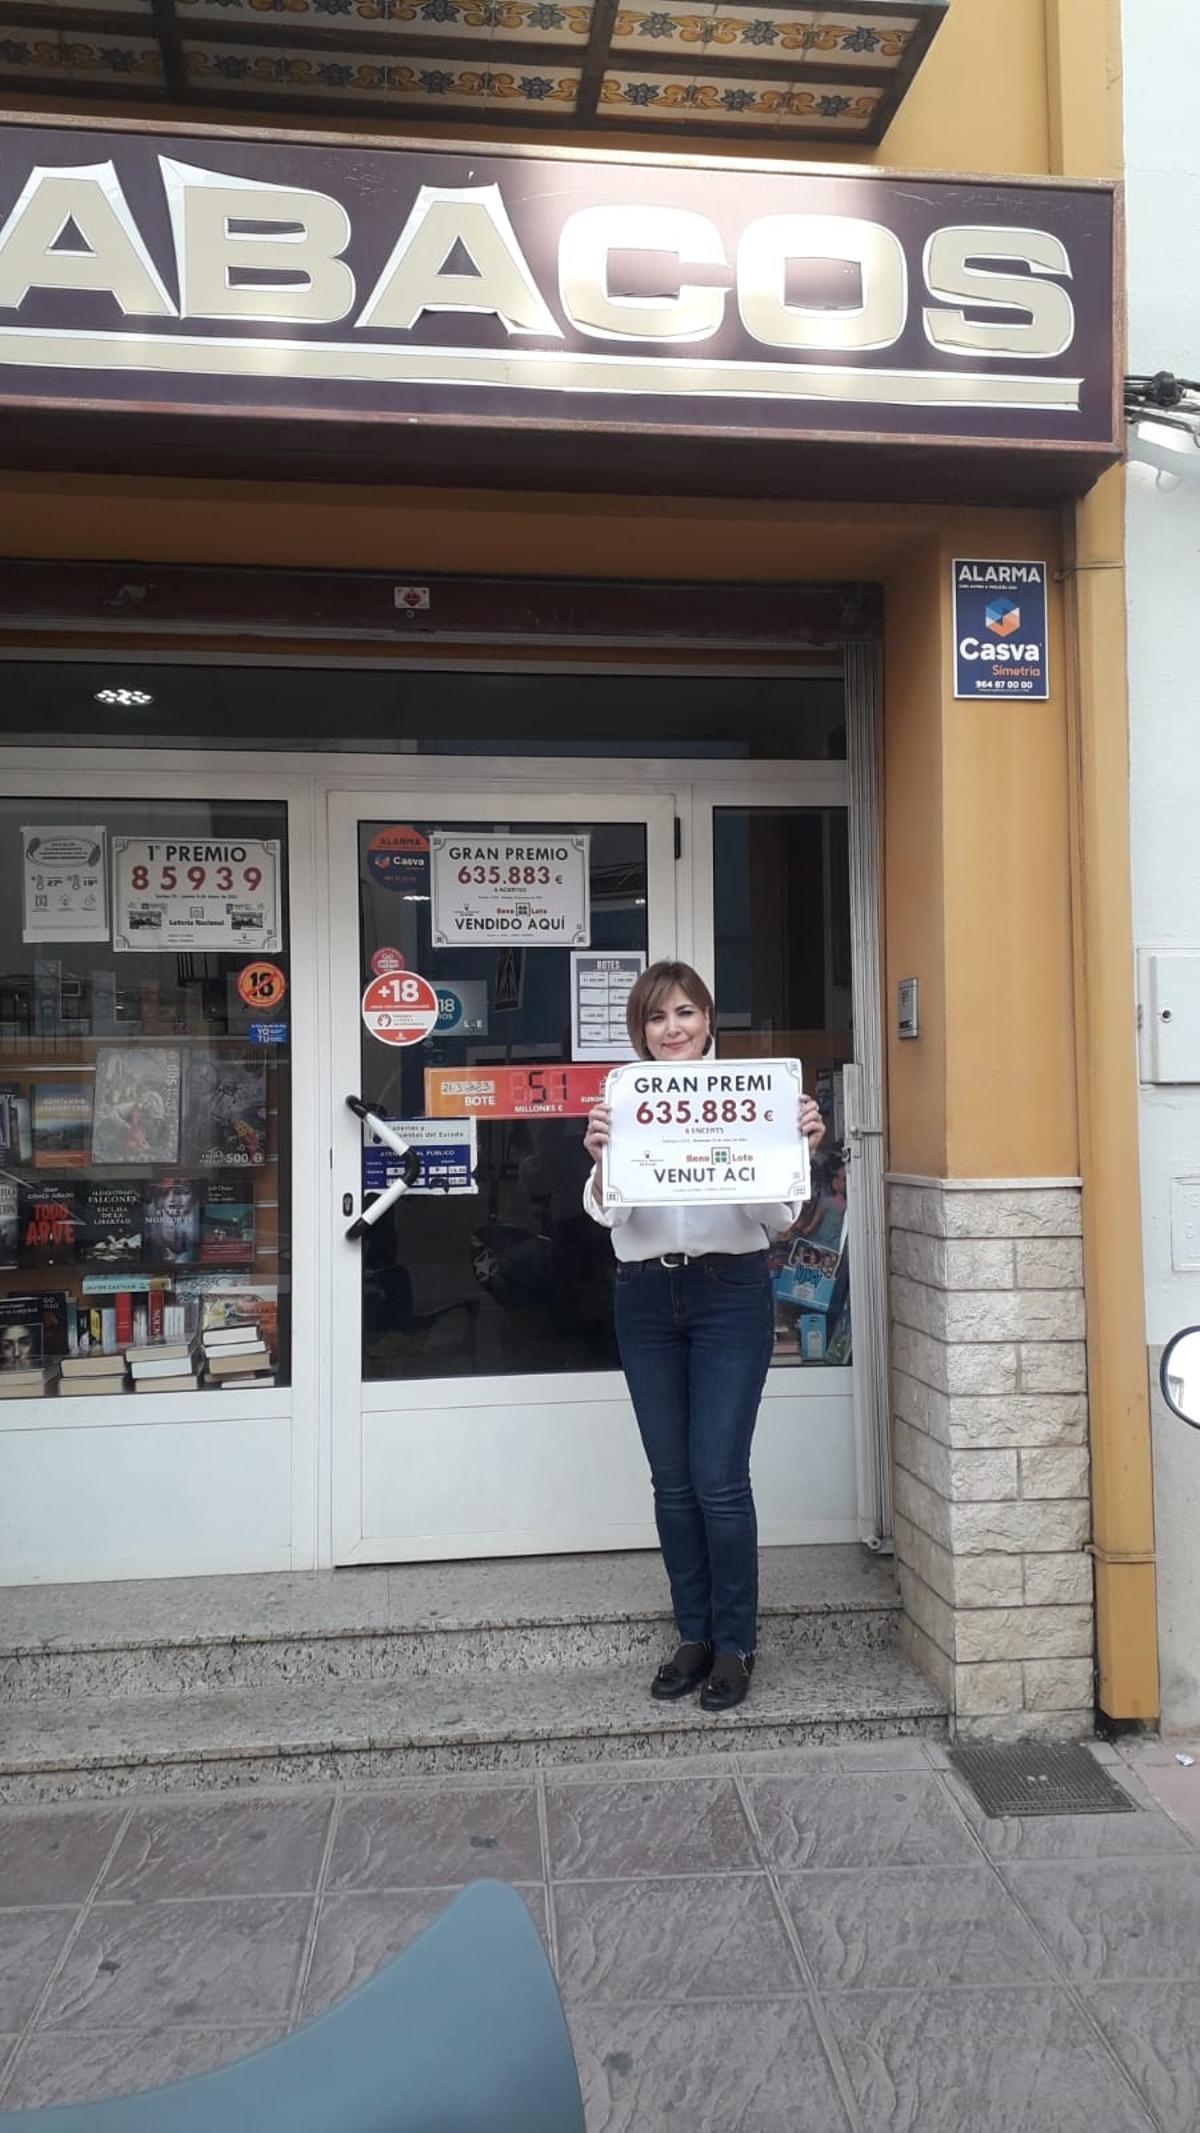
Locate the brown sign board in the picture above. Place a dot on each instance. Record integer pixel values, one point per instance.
(422, 312)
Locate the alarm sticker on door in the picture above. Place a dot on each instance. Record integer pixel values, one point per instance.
(400, 1008)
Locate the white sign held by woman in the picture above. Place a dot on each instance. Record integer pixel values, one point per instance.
(705, 1131)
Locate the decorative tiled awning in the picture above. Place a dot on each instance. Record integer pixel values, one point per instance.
(795, 72)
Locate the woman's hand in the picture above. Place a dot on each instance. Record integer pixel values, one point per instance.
(599, 1127)
(812, 1125)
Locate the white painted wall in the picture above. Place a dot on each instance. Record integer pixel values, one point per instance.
(1162, 148)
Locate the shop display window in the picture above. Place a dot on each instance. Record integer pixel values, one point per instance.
(144, 1097)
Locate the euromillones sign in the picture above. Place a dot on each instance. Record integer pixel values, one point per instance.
(404, 287)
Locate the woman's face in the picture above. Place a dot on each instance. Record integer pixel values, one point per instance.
(676, 1028)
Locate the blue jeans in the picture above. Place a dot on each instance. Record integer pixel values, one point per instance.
(695, 1344)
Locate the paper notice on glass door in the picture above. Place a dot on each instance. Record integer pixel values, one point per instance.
(494, 890)
(600, 989)
(214, 893)
(65, 882)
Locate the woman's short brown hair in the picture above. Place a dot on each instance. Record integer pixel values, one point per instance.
(652, 989)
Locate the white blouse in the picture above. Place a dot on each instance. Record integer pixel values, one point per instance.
(647, 1232)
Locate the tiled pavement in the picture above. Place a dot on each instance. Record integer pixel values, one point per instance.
(798, 1941)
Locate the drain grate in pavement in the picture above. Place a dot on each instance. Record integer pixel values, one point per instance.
(1032, 1779)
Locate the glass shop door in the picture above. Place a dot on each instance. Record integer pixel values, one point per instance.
(480, 950)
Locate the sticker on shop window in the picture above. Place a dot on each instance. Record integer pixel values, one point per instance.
(261, 985)
(398, 858)
(401, 1008)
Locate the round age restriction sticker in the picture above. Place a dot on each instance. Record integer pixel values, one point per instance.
(401, 1008)
(261, 985)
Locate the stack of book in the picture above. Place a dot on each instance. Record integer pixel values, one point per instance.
(164, 1366)
(28, 1381)
(93, 1373)
(237, 1355)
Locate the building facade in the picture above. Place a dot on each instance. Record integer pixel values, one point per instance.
(1163, 517)
(444, 572)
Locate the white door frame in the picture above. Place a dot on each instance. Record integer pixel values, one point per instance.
(516, 1405)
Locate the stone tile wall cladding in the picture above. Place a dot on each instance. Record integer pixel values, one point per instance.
(992, 1505)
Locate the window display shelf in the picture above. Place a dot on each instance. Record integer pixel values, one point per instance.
(144, 1137)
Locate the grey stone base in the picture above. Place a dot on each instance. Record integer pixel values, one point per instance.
(207, 1685)
(992, 1508)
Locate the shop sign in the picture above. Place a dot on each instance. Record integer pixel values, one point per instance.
(64, 885)
(1000, 629)
(513, 1092)
(600, 989)
(400, 1009)
(217, 274)
(722, 1131)
(530, 892)
(448, 1153)
(217, 894)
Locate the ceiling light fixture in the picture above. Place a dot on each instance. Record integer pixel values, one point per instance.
(125, 697)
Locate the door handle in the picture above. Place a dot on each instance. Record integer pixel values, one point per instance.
(409, 1173)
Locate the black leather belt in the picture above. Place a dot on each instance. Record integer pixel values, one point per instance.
(678, 1259)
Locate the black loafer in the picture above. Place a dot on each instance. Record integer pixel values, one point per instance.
(682, 1673)
(728, 1682)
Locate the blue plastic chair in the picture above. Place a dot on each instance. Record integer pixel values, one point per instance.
(463, 2033)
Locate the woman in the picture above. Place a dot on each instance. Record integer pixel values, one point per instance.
(695, 1326)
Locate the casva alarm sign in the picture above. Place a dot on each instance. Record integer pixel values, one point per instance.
(1000, 630)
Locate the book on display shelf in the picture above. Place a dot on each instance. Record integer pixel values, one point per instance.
(28, 1381)
(231, 1305)
(47, 996)
(167, 1364)
(49, 1224)
(87, 1368)
(111, 1223)
(62, 1125)
(233, 1340)
(226, 1226)
(10, 1220)
(137, 1104)
(225, 1111)
(237, 1365)
(161, 1351)
(16, 1124)
(184, 1382)
(171, 1222)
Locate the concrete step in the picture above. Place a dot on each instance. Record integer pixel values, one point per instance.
(72, 1748)
(174, 1637)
